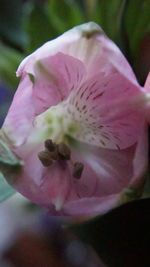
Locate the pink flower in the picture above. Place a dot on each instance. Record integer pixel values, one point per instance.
(76, 94)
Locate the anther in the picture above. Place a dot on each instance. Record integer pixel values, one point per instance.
(78, 169)
(45, 158)
(64, 151)
(49, 145)
(52, 149)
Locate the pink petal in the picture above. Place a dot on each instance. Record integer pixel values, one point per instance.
(55, 77)
(147, 98)
(106, 172)
(61, 74)
(45, 186)
(18, 122)
(103, 105)
(112, 56)
(74, 42)
(91, 206)
(56, 184)
(147, 83)
(140, 162)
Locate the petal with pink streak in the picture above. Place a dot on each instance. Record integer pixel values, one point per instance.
(57, 184)
(55, 77)
(45, 186)
(18, 122)
(91, 206)
(103, 105)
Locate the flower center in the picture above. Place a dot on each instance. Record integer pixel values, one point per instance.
(55, 124)
(59, 152)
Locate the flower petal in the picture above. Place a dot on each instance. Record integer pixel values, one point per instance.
(18, 122)
(76, 42)
(103, 105)
(140, 162)
(112, 56)
(56, 184)
(147, 83)
(55, 77)
(45, 186)
(105, 172)
(91, 206)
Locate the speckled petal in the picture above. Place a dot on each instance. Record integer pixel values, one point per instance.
(102, 109)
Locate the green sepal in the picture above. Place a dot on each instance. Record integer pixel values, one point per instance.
(10, 164)
(6, 156)
(131, 193)
(6, 190)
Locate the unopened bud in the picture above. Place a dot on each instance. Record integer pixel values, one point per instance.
(45, 158)
(78, 169)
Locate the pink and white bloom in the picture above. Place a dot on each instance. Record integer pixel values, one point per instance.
(78, 90)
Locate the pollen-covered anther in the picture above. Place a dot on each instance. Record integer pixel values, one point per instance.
(45, 158)
(49, 145)
(64, 151)
(77, 170)
(51, 149)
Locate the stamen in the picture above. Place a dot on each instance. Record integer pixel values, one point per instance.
(78, 169)
(64, 151)
(54, 152)
(45, 158)
(49, 145)
(52, 149)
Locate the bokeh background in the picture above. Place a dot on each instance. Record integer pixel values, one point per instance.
(28, 235)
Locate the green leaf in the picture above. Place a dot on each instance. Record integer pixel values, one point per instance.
(137, 22)
(9, 61)
(38, 28)
(64, 15)
(10, 165)
(106, 14)
(6, 190)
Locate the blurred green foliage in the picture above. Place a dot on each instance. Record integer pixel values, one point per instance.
(9, 61)
(12, 18)
(137, 22)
